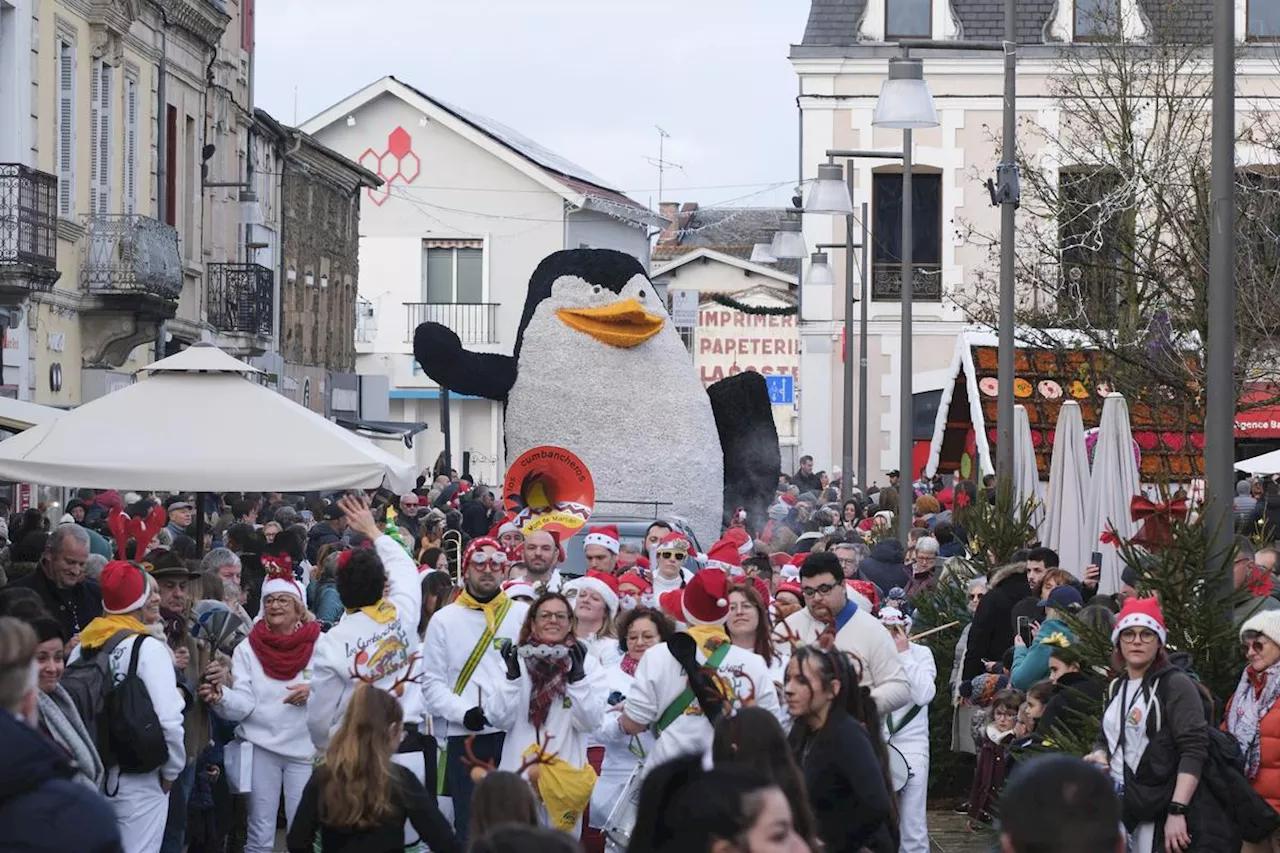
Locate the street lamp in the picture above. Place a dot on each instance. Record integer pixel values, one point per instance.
(788, 242)
(819, 274)
(906, 103)
(829, 193)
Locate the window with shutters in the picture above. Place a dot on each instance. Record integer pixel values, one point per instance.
(101, 122)
(65, 135)
(130, 183)
(453, 271)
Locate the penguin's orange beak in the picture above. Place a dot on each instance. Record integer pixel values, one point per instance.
(622, 324)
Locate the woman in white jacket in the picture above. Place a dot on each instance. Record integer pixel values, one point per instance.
(270, 675)
(550, 702)
(907, 730)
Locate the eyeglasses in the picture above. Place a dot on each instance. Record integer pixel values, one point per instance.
(1005, 712)
(672, 555)
(277, 600)
(553, 616)
(976, 596)
(811, 591)
(848, 561)
(481, 558)
(1137, 635)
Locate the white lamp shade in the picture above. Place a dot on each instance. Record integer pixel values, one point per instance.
(905, 101)
(820, 274)
(829, 193)
(788, 242)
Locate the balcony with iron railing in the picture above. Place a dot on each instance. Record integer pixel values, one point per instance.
(474, 323)
(28, 228)
(131, 255)
(241, 298)
(886, 282)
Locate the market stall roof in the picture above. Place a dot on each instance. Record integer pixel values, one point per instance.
(199, 422)
(19, 415)
(1169, 435)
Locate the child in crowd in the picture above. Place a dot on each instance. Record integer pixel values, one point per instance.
(993, 757)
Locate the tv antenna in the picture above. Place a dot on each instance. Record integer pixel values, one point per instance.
(661, 163)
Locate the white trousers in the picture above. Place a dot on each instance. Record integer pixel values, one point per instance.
(272, 773)
(142, 810)
(912, 803)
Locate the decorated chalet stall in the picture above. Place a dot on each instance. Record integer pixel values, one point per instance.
(1168, 436)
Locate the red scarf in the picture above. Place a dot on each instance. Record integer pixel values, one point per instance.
(283, 656)
(629, 665)
(549, 677)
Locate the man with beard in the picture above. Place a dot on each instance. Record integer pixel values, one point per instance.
(462, 666)
(541, 557)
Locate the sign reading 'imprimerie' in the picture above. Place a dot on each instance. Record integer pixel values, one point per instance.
(731, 342)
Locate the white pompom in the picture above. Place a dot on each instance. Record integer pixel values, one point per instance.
(722, 602)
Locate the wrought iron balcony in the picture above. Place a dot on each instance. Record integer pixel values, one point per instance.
(886, 282)
(131, 254)
(241, 298)
(28, 221)
(474, 323)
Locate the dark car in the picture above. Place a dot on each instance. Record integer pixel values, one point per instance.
(632, 531)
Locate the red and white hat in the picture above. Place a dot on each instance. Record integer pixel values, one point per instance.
(124, 587)
(633, 579)
(520, 589)
(603, 585)
(280, 577)
(739, 537)
(605, 535)
(508, 527)
(671, 603)
(476, 545)
(706, 598)
(675, 541)
(724, 555)
(1140, 613)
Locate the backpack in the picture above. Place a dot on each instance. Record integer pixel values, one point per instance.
(119, 716)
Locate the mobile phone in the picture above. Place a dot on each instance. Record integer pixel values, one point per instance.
(615, 697)
(1095, 559)
(1024, 629)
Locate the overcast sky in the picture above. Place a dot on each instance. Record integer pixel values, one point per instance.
(589, 79)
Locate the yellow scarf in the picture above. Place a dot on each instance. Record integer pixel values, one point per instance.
(103, 628)
(565, 790)
(382, 612)
(489, 608)
(708, 637)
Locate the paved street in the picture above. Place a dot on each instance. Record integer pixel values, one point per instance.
(949, 834)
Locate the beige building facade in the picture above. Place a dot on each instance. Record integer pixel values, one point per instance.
(841, 63)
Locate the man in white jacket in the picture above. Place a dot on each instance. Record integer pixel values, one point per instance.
(908, 730)
(856, 632)
(463, 664)
(377, 640)
(131, 601)
(680, 712)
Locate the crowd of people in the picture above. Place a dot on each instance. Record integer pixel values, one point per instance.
(379, 672)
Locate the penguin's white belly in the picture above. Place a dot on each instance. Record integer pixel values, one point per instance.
(638, 418)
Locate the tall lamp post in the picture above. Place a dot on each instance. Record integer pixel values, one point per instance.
(832, 193)
(906, 103)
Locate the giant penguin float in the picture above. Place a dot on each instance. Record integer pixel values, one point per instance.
(598, 369)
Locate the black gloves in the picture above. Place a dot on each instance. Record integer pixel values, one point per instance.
(512, 658)
(577, 662)
(475, 720)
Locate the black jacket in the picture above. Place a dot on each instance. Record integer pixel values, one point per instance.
(1076, 697)
(807, 482)
(73, 608)
(884, 567)
(991, 633)
(319, 536)
(476, 520)
(849, 796)
(42, 810)
(410, 800)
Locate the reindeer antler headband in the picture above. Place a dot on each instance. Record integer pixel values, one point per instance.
(140, 530)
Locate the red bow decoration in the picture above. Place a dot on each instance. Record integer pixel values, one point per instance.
(1157, 520)
(345, 556)
(278, 566)
(1110, 537)
(140, 530)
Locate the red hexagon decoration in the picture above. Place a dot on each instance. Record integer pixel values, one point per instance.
(398, 163)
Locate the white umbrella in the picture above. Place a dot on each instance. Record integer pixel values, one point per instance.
(1112, 486)
(1267, 463)
(1026, 477)
(1068, 492)
(199, 423)
(17, 415)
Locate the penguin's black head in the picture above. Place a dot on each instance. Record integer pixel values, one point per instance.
(598, 292)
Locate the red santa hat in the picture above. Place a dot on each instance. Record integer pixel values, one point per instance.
(706, 599)
(605, 535)
(724, 555)
(520, 589)
(602, 584)
(792, 587)
(124, 587)
(763, 589)
(280, 578)
(676, 541)
(634, 580)
(739, 537)
(867, 590)
(1140, 613)
(672, 604)
(509, 527)
(642, 563)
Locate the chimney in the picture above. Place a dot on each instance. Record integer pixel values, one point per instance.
(670, 210)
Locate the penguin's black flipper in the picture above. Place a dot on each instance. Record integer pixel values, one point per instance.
(749, 439)
(439, 351)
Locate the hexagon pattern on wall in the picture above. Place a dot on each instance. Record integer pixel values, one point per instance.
(398, 163)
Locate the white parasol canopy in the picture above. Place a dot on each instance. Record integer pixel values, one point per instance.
(199, 423)
(17, 415)
(1068, 492)
(1267, 463)
(1026, 477)
(1112, 486)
